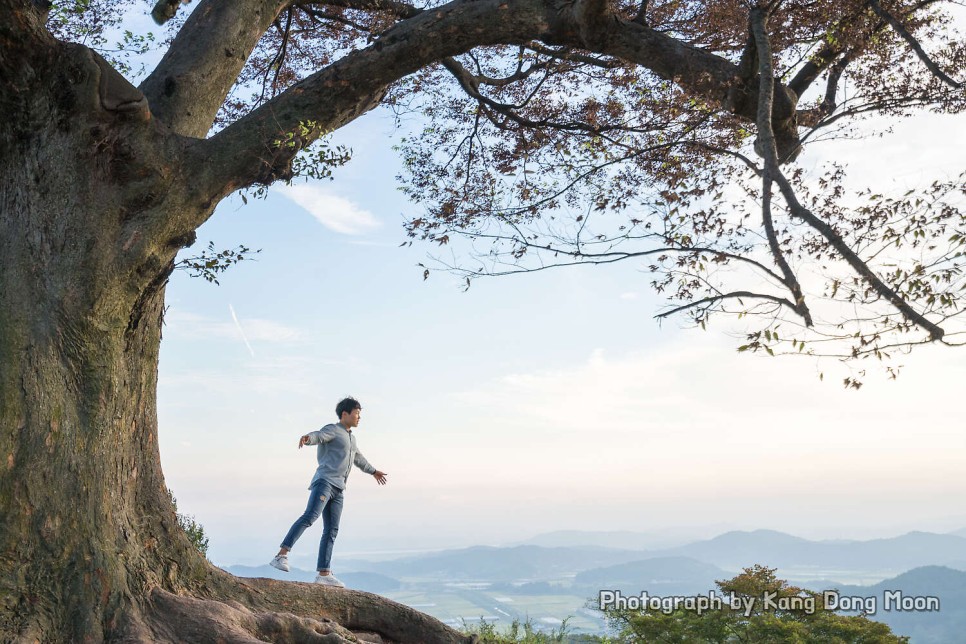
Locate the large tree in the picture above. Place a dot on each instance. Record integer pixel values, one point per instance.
(612, 104)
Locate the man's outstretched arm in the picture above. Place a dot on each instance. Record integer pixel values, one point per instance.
(314, 438)
(364, 465)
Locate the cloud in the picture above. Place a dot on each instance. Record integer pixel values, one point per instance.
(191, 326)
(918, 150)
(335, 213)
(296, 375)
(287, 374)
(695, 412)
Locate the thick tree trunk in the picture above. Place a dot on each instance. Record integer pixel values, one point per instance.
(92, 196)
(85, 524)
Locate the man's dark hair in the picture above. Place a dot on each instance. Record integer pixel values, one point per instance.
(347, 406)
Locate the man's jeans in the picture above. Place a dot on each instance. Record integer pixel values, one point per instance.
(325, 500)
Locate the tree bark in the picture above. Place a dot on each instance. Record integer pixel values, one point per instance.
(93, 196)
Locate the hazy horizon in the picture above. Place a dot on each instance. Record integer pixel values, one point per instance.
(669, 537)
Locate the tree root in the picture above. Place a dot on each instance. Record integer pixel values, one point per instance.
(245, 611)
(176, 618)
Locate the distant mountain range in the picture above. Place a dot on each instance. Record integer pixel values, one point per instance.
(488, 563)
(734, 550)
(728, 552)
(923, 627)
(660, 576)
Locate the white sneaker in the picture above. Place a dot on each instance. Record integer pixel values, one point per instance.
(280, 562)
(329, 580)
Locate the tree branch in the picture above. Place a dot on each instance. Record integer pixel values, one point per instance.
(278, 61)
(812, 69)
(829, 103)
(726, 296)
(582, 257)
(766, 140)
(189, 85)
(789, 279)
(835, 60)
(259, 147)
(470, 84)
(828, 53)
(914, 44)
(641, 17)
(519, 73)
(701, 73)
(769, 151)
(394, 7)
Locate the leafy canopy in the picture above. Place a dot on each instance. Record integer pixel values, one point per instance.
(667, 133)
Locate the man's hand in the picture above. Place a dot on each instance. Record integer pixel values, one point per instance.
(303, 441)
(380, 477)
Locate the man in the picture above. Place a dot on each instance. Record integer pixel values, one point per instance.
(336, 454)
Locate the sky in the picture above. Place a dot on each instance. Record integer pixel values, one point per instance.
(528, 403)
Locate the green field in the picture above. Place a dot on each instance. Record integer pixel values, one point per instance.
(455, 606)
